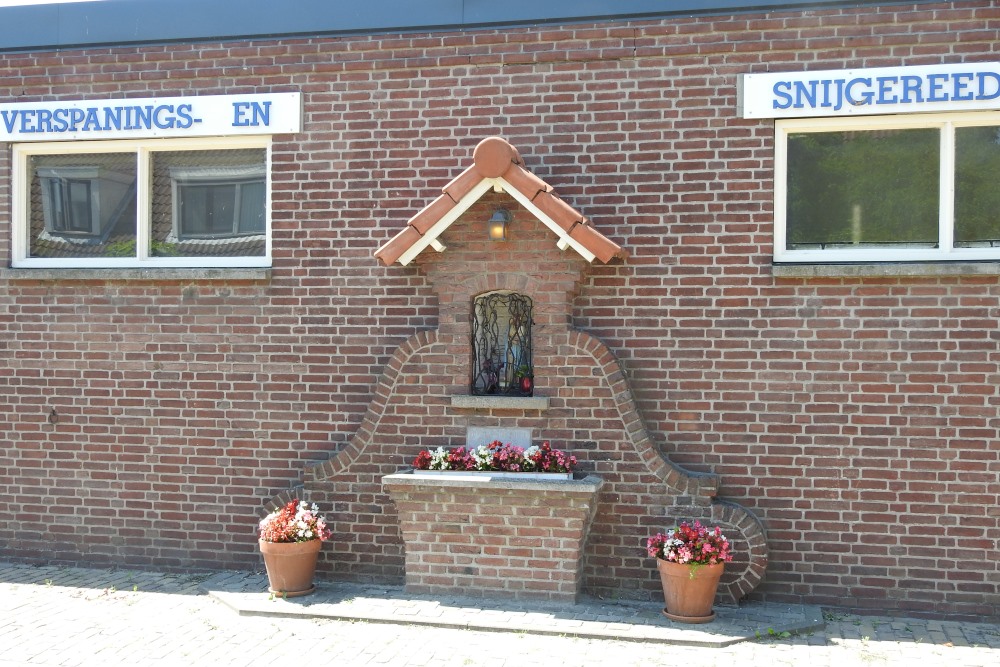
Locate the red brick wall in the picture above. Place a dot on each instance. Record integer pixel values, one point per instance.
(514, 539)
(591, 414)
(856, 417)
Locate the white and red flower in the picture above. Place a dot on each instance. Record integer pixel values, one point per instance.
(497, 457)
(295, 522)
(690, 544)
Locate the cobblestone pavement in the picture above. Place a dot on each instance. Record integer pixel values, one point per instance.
(74, 616)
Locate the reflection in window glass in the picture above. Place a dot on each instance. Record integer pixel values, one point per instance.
(209, 203)
(865, 188)
(977, 195)
(82, 205)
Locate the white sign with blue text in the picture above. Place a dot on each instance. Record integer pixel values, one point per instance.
(859, 92)
(209, 115)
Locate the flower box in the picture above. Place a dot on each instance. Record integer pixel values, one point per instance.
(498, 458)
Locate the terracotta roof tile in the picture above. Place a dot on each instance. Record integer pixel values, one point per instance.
(527, 183)
(517, 158)
(462, 184)
(602, 247)
(430, 214)
(495, 159)
(397, 245)
(561, 213)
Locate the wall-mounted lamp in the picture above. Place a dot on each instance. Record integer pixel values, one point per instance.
(497, 224)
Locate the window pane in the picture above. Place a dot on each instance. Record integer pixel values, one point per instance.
(206, 211)
(82, 205)
(79, 195)
(198, 199)
(192, 199)
(863, 189)
(977, 194)
(252, 201)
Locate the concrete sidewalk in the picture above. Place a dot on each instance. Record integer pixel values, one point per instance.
(591, 618)
(75, 616)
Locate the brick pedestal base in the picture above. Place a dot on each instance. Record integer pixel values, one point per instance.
(478, 535)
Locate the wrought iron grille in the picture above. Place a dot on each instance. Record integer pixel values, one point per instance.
(501, 345)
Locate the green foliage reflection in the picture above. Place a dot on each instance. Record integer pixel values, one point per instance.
(977, 195)
(863, 188)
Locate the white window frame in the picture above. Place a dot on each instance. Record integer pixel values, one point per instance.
(143, 149)
(945, 252)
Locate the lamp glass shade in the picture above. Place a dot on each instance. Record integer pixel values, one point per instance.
(497, 225)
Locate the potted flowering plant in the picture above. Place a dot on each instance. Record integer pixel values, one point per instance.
(690, 559)
(290, 538)
(498, 457)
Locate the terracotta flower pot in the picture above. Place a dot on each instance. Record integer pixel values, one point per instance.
(290, 566)
(689, 590)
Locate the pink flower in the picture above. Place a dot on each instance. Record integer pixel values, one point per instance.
(694, 544)
(295, 522)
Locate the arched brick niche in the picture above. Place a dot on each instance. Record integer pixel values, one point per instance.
(588, 410)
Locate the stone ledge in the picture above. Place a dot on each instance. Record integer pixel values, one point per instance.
(501, 402)
(588, 484)
(158, 273)
(884, 270)
(592, 618)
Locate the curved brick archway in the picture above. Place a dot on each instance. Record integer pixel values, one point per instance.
(591, 413)
(683, 494)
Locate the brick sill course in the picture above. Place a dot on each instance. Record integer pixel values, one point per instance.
(884, 270)
(159, 273)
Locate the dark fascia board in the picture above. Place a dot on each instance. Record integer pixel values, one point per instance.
(121, 22)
